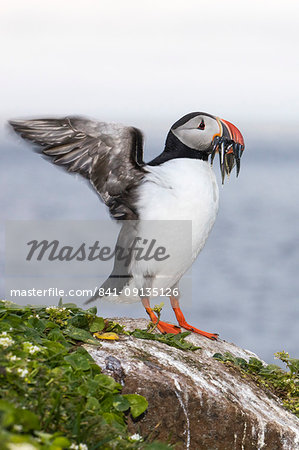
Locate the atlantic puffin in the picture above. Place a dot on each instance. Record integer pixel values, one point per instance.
(178, 185)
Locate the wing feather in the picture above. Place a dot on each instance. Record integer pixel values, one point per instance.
(110, 156)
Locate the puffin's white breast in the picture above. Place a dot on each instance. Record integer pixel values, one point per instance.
(181, 189)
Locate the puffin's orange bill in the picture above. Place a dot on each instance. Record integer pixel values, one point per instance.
(234, 133)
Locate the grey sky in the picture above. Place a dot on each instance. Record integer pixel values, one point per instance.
(150, 61)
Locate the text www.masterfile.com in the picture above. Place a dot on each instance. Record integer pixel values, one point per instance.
(52, 292)
(127, 291)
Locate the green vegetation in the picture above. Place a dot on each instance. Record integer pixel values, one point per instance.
(52, 395)
(173, 340)
(285, 384)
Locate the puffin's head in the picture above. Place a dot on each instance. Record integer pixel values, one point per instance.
(210, 134)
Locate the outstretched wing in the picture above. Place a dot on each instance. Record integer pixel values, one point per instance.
(110, 156)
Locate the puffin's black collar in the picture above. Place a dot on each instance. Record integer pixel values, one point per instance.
(174, 148)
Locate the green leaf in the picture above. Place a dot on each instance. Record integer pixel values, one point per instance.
(38, 324)
(107, 382)
(138, 404)
(80, 335)
(92, 310)
(293, 365)
(270, 370)
(49, 325)
(121, 403)
(92, 404)
(55, 348)
(27, 419)
(56, 335)
(115, 327)
(114, 419)
(98, 324)
(69, 306)
(61, 442)
(255, 363)
(16, 322)
(241, 362)
(78, 361)
(79, 320)
(43, 437)
(6, 413)
(173, 340)
(218, 356)
(229, 357)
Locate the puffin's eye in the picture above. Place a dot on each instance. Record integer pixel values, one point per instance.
(201, 126)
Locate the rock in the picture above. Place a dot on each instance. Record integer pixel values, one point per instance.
(194, 400)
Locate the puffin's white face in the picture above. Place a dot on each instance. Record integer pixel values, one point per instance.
(198, 133)
(206, 133)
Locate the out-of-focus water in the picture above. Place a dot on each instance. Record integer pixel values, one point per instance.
(246, 280)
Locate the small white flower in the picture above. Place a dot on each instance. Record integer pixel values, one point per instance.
(55, 308)
(4, 333)
(22, 372)
(36, 316)
(18, 428)
(6, 302)
(49, 308)
(31, 348)
(34, 349)
(136, 437)
(6, 341)
(13, 357)
(79, 447)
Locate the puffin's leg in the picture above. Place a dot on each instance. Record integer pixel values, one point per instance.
(182, 321)
(162, 326)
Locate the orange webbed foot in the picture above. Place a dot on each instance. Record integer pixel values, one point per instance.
(182, 322)
(168, 328)
(213, 336)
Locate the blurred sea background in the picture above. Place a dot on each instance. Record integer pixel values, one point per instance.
(146, 65)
